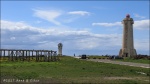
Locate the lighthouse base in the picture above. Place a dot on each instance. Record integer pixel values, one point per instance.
(127, 52)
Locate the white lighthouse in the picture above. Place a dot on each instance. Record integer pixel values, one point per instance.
(60, 49)
(127, 42)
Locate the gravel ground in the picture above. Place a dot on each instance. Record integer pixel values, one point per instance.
(121, 63)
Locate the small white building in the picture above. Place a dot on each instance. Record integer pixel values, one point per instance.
(60, 49)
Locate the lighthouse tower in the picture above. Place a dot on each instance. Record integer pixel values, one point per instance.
(127, 42)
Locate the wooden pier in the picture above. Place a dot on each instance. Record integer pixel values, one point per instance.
(28, 55)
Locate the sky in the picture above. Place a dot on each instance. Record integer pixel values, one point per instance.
(83, 27)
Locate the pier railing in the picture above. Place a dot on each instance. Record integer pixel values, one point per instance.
(28, 55)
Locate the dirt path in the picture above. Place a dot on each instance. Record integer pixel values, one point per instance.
(121, 63)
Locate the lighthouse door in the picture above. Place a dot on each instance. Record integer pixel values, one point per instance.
(126, 54)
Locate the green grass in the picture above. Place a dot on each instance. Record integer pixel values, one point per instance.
(71, 70)
(98, 57)
(127, 59)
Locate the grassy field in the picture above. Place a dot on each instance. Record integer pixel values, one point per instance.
(71, 70)
(98, 57)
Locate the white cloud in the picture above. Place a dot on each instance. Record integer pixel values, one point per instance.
(138, 16)
(140, 24)
(82, 13)
(12, 38)
(107, 24)
(13, 25)
(33, 36)
(99, 41)
(29, 37)
(57, 16)
(74, 15)
(140, 44)
(38, 21)
(49, 15)
(70, 19)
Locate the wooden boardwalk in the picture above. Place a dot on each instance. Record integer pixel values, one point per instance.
(28, 55)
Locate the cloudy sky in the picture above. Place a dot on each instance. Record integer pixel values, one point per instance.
(83, 27)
